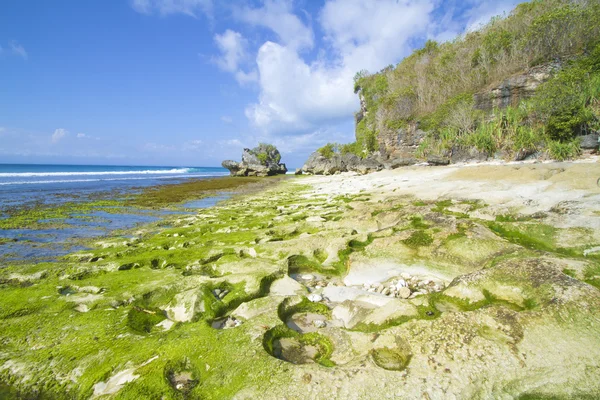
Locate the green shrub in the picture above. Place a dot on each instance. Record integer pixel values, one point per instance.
(328, 150)
(564, 150)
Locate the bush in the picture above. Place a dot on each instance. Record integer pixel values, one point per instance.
(328, 150)
(564, 151)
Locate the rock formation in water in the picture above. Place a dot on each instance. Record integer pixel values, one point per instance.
(263, 160)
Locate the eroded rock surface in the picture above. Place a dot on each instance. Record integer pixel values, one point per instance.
(472, 282)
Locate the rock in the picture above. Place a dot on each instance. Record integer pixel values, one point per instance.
(437, 160)
(184, 306)
(404, 292)
(298, 171)
(319, 323)
(82, 308)
(315, 218)
(315, 298)
(516, 88)
(286, 286)
(466, 154)
(589, 141)
(399, 162)
(307, 277)
(165, 324)
(260, 161)
(320, 165)
(114, 383)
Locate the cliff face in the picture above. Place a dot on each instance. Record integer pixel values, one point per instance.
(515, 88)
(402, 143)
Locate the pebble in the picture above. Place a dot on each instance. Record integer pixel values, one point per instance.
(404, 292)
(308, 277)
(319, 323)
(315, 298)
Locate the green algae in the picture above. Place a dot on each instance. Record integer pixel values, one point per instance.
(206, 254)
(418, 239)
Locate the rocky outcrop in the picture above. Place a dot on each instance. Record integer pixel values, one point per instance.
(516, 88)
(589, 141)
(259, 161)
(317, 164)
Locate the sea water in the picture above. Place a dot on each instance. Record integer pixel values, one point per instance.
(30, 184)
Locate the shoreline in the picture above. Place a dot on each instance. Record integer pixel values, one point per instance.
(54, 228)
(363, 278)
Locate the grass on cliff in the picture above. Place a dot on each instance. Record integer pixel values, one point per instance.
(433, 88)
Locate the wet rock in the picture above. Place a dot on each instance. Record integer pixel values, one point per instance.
(291, 350)
(391, 359)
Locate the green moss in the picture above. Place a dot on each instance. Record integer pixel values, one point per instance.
(143, 320)
(418, 239)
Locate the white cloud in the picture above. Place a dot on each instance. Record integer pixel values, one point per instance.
(278, 17)
(297, 95)
(59, 134)
(154, 147)
(232, 143)
(225, 118)
(482, 12)
(19, 50)
(165, 7)
(233, 48)
(193, 145)
(81, 135)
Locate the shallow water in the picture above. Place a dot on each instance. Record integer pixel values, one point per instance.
(22, 186)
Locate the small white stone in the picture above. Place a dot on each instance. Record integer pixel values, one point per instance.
(405, 276)
(318, 323)
(315, 298)
(404, 292)
(307, 277)
(82, 308)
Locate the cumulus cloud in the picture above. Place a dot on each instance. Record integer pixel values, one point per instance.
(165, 7)
(233, 48)
(278, 16)
(481, 12)
(59, 134)
(297, 95)
(19, 50)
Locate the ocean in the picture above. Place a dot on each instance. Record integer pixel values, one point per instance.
(20, 183)
(24, 186)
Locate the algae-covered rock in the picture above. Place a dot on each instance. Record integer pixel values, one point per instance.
(263, 160)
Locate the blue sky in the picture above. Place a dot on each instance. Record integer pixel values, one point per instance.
(193, 82)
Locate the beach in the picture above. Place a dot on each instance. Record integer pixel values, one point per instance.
(421, 282)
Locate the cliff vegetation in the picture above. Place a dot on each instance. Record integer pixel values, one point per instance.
(443, 90)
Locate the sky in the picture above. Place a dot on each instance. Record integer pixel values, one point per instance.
(194, 82)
